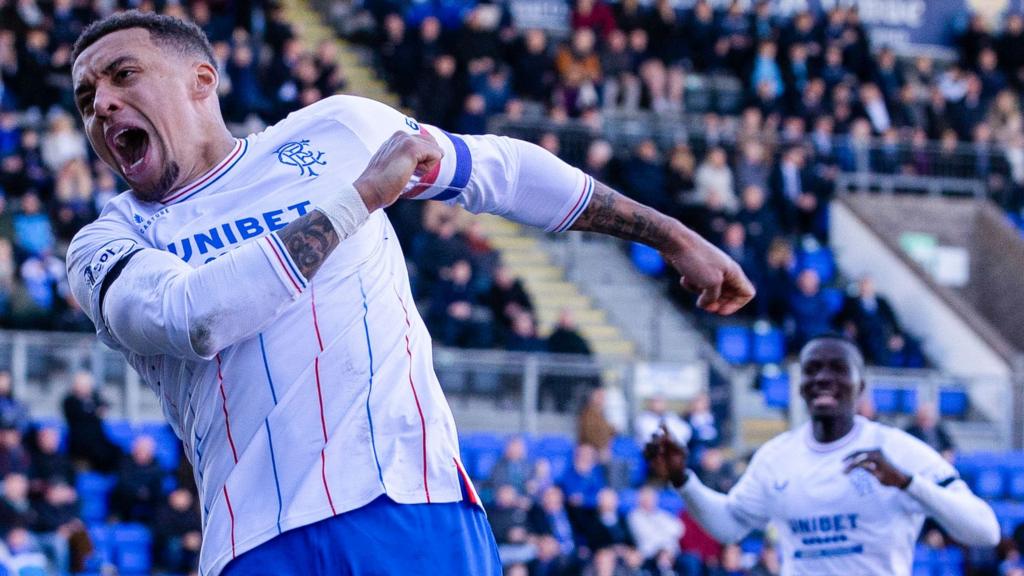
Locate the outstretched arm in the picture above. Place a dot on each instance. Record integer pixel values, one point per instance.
(705, 270)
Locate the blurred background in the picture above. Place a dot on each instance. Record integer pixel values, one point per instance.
(862, 160)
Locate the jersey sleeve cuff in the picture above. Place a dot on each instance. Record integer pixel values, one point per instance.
(576, 204)
(282, 263)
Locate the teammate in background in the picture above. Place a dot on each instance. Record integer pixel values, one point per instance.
(847, 495)
(259, 289)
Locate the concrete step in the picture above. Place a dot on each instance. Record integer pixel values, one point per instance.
(757, 431)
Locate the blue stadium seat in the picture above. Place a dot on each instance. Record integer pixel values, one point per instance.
(1010, 515)
(733, 343)
(821, 261)
(953, 403)
(670, 501)
(909, 400)
(769, 345)
(646, 259)
(1015, 484)
(121, 432)
(887, 400)
(132, 544)
(558, 452)
(480, 448)
(102, 548)
(775, 389)
(627, 450)
(990, 483)
(92, 490)
(627, 500)
(834, 297)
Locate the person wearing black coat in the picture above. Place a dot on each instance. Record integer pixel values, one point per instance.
(87, 440)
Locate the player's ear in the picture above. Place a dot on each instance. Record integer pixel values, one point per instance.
(205, 80)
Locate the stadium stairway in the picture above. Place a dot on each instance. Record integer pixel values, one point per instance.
(519, 252)
(361, 79)
(523, 253)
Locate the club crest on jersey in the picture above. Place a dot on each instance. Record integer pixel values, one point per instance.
(863, 481)
(301, 155)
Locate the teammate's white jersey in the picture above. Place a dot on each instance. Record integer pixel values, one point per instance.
(330, 400)
(830, 522)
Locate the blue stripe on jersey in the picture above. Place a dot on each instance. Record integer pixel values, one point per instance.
(463, 168)
(587, 193)
(369, 349)
(270, 439)
(287, 259)
(245, 148)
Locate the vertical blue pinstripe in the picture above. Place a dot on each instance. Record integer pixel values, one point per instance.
(270, 439)
(369, 417)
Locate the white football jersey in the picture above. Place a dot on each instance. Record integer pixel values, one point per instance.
(830, 522)
(334, 401)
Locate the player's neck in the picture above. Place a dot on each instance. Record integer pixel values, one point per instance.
(828, 430)
(211, 153)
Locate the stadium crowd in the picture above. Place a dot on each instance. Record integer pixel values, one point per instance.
(557, 507)
(753, 169)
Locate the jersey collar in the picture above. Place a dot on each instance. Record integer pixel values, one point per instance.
(212, 176)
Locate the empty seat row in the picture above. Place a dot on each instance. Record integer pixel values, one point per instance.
(742, 344)
(126, 546)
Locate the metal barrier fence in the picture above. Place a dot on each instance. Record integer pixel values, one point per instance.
(949, 167)
(514, 392)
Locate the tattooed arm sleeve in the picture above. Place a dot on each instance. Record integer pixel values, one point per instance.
(149, 301)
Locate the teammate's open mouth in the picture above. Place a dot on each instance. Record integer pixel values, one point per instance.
(129, 146)
(824, 398)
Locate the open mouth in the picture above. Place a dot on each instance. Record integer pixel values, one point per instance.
(824, 400)
(129, 146)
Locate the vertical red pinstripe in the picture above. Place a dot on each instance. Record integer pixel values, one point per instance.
(232, 514)
(224, 406)
(320, 399)
(412, 385)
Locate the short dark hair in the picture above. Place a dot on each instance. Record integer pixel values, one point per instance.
(843, 339)
(167, 31)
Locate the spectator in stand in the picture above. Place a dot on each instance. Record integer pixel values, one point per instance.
(593, 427)
(14, 458)
(533, 66)
(24, 555)
(584, 479)
(12, 412)
(758, 221)
(523, 337)
(507, 298)
(541, 478)
(735, 245)
(903, 351)
(48, 465)
(643, 175)
(715, 177)
(549, 517)
(579, 72)
(793, 193)
(177, 532)
(566, 339)
(452, 309)
(606, 526)
(513, 469)
(508, 521)
(703, 424)
(552, 559)
(714, 470)
(139, 485)
(731, 562)
(656, 415)
(655, 530)
(595, 15)
(33, 231)
(84, 410)
(871, 318)
(621, 90)
(15, 508)
(56, 523)
(809, 309)
(929, 429)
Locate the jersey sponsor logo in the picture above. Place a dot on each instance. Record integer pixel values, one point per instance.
(103, 258)
(412, 124)
(823, 524)
(299, 154)
(213, 241)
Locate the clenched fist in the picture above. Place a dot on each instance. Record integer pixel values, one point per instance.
(391, 167)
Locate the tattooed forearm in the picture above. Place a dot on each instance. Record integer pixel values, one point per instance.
(612, 213)
(309, 240)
